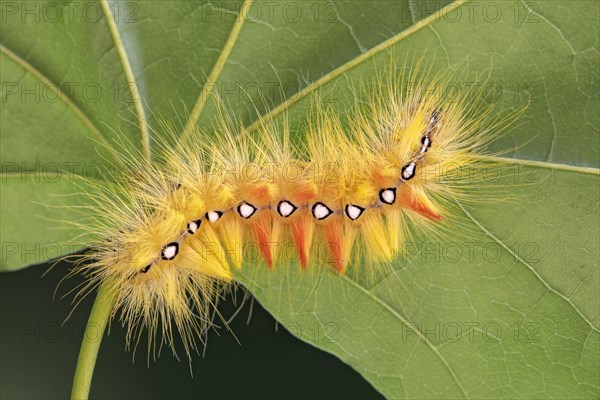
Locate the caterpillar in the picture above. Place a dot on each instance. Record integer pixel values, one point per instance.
(344, 192)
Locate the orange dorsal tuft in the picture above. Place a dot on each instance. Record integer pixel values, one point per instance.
(304, 193)
(261, 193)
(409, 199)
(333, 237)
(302, 228)
(261, 230)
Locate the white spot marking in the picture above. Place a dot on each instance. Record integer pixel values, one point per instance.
(193, 226)
(170, 251)
(353, 212)
(285, 208)
(409, 171)
(214, 216)
(321, 211)
(246, 210)
(388, 196)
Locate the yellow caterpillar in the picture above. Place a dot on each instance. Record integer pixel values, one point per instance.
(173, 235)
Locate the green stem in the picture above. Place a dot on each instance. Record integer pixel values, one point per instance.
(94, 331)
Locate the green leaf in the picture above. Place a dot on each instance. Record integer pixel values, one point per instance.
(513, 313)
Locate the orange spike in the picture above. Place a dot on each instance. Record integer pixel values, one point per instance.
(261, 229)
(302, 234)
(408, 199)
(333, 237)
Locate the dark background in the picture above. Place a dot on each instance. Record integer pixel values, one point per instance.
(38, 356)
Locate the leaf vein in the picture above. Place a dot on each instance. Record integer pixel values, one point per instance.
(352, 63)
(526, 264)
(133, 87)
(216, 72)
(71, 105)
(422, 337)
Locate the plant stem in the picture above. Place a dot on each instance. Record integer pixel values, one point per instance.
(94, 331)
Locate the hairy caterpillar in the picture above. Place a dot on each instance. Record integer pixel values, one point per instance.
(172, 236)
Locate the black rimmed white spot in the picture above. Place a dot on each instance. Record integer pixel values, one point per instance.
(387, 196)
(246, 210)
(194, 226)
(425, 143)
(146, 268)
(353, 212)
(320, 211)
(434, 120)
(170, 251)
(285, 208)
(214, 216)
(409, 170)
